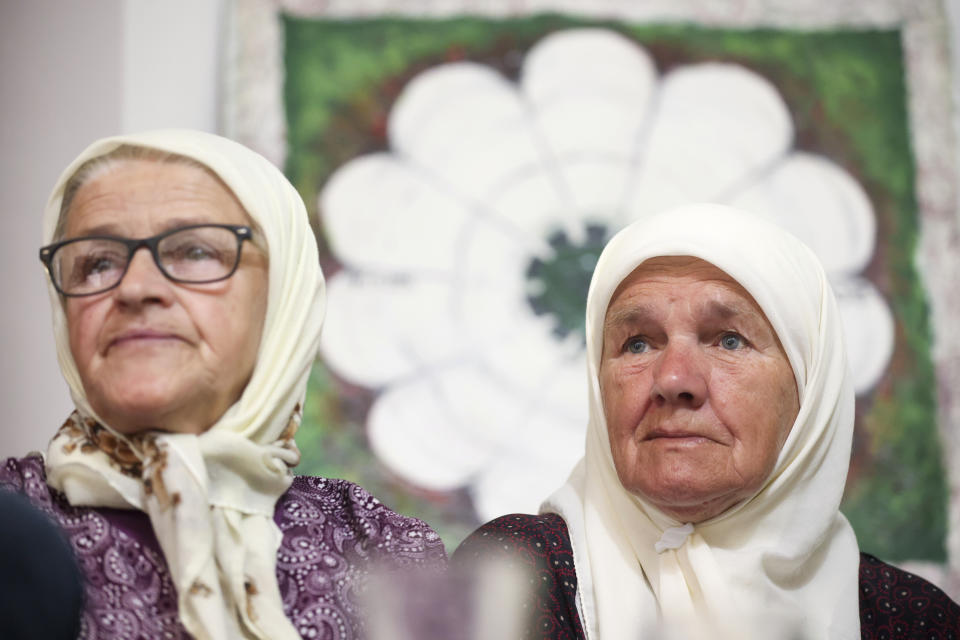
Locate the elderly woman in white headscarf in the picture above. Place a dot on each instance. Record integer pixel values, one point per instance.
(721, 418)
(187, 303)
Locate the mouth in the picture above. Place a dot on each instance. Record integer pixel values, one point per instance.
(678, 436)
(141, 337)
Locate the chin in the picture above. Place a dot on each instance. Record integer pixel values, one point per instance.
(684, 493)
(691, 499)
(132, 420)
(135, 410)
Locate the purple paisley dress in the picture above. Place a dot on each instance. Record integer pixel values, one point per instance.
(333, 533)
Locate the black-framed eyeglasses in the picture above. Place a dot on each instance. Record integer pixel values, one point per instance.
(194, 254)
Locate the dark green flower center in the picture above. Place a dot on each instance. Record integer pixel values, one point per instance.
(558, 285)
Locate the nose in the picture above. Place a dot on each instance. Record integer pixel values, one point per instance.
(679, 377)
(143, 283)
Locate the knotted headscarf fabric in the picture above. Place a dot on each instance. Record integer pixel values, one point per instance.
(783, 561)
(211, 497)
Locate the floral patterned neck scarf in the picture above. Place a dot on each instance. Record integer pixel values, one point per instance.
(211, 497)
(786, 559)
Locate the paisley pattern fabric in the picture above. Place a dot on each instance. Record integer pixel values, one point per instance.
(898, 604)
(893, 603)
(333, 533)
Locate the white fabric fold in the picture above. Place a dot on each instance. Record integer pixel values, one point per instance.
(785, 559)
(211, 497)
(673, 538)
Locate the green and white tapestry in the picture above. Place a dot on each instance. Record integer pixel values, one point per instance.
(465, 167)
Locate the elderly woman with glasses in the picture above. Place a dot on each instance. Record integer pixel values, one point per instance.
(721, 419)
(187, 302)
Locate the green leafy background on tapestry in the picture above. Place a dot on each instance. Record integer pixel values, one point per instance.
(846, 92)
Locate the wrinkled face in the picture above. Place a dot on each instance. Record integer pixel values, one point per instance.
(151, 353)
(698, 393)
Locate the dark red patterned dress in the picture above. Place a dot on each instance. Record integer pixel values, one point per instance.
(894, 604)
(333, 531)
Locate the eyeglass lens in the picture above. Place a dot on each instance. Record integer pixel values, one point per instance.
(201, 254)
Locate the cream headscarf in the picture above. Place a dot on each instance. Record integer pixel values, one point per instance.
(211, 497)
(786, 560)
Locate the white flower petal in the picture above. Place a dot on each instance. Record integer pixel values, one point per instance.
(497, 257)
(567, 391)
(382, 215)
(512, 343)
(589, 65)
(589, 91)
(868, 331)
(377, 331)
(596, 192)
(530, 202)
(538, 457)
(820, 203)
(466, 124)
(533, 359)
(535, 463)
(438, 432)
(715, 125)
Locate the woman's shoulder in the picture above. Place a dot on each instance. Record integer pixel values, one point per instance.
(27, 476)
(347, 511)
(13, 470)
(542, 536)
(535, 543)
(901, 602)
(539, 547)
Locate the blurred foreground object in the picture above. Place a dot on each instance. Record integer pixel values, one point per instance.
(484, 600)
(40, 588)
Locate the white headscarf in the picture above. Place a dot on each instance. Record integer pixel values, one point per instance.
(784, 557)
(211, 497)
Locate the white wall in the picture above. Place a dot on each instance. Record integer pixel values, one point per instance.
(171, 58)
(72, 72)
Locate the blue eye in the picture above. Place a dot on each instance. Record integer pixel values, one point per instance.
(636, 345)
(731, 341)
